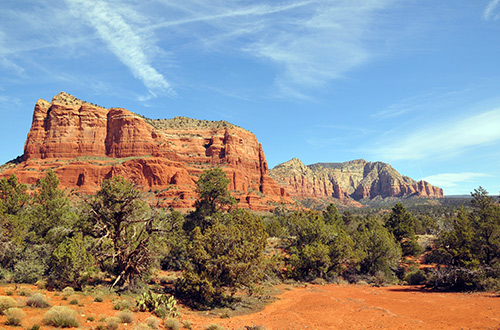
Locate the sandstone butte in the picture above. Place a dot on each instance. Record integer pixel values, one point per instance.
(353, 180)
(85, 144)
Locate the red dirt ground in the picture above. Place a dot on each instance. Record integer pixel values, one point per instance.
(366, 307)
(319, 307)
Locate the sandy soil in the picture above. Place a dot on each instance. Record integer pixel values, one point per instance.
(319, 307)
(365, 307)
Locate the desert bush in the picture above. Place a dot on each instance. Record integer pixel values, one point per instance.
(255, 327)
(112, 323)
(214, 326)
(226, 257)
(141, 326)
(28, 271)
(416, 277)
(71, 264)
(68, 291)
(25, 292)
(153, 322)
(125, 316)
(98, 299)
(318, 249)
(34, 327)
(73, 302)
(187, 324)
(61, 316)
(14, 316)
(37, 300)
(6, 303)
(122, 305)
(172, 324)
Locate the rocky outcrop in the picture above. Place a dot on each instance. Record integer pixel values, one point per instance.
(357, 179)
(85, 144)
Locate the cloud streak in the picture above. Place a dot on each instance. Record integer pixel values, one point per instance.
(310, 43)
(452, 180)
(123, 41)
(491, 11)
(445, 139)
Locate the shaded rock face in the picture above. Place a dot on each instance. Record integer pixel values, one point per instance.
(85, 144)
(357, 179)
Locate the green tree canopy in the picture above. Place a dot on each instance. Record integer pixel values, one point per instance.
(223, 258)
(125, 229)
(213, 197)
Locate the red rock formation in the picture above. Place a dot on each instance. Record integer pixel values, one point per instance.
(85, 144)
(357, 179)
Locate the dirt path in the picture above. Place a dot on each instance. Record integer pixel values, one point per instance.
(365, 307)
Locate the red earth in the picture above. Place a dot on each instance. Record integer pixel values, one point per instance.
(312, 307)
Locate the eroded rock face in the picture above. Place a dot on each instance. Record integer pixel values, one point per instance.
(85, 144)
(357, 179)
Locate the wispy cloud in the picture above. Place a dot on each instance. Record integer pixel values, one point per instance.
(451, 180)
(424, 102)
(444, 139)
(492, 11)
(123, 41)
(309, 43)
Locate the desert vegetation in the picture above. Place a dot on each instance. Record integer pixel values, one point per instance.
(117, 241)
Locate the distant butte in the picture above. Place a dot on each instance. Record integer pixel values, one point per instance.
(357, 180)
(85, 144)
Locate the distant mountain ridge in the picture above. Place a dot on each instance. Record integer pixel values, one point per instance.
(356, 179)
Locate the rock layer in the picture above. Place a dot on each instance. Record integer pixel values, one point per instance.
(85, 144)
(357, 179)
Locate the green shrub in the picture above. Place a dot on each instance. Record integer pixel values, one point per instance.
(90, 318)
(416, 277)
(61, 316)
(68, 291)
(73, 302)
(172, 324)
(141, 326)
(214, 327)
(6, 303)
(125, 316)
(187, 324)
(37, 300)
(25, 292)
(14, 316)
(153, 322)
(123, 305)
(28, 271)
(98, 299)
(112, 323)
(34, 327)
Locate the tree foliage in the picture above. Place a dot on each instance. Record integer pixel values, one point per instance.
(213, 197)
(124, 228)
(223, 258)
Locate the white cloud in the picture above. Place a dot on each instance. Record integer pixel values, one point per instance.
(451, 180)
(445, 139)
(309, 42)
(492, 10)
(123, 41)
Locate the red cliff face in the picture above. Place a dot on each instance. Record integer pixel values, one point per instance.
(357, 179)
(85, 144)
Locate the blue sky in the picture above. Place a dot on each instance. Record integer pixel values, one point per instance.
(412, 83)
